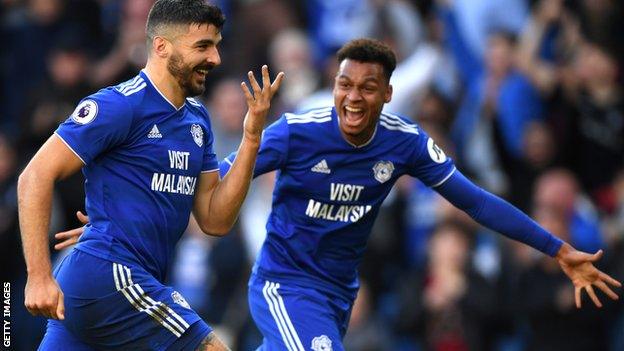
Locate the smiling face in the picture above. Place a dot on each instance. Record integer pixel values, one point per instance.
(360, 90)
(193, 55)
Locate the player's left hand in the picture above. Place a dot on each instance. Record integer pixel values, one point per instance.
(70, 237)
(259, 102)
(579, 267)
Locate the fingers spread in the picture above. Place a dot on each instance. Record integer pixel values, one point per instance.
(276, 83)
(592, 295)
(595, 257)
(605, 289)
(254, 84)
(266, 80)
(247, 93)
(610, 280)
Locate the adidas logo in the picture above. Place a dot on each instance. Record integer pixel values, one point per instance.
(154, 133)
(321, 167)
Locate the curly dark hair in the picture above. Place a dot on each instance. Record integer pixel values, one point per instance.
(369, 50)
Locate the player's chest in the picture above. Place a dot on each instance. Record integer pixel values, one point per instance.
(345, 176)
(170, 145)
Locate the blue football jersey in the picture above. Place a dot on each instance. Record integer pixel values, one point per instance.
(142, 157)
(328, 192)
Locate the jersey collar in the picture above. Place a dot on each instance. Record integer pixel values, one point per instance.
(146, 76)
(337, 126)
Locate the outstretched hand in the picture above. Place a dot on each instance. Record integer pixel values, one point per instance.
(70, 237)
(259, 102)
(579, 267)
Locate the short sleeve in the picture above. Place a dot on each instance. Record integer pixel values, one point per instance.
(273, 151)
(100, 122)
(209, 161)
(429, 163)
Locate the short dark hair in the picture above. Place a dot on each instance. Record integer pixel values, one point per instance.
(180, 12)
(369, 50)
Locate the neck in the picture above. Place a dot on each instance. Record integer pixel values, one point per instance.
(358, 140)
(165, 82)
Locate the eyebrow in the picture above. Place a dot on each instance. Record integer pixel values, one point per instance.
(206, 42)
(366, 80)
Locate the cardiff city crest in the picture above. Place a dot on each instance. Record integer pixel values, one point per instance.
(383, 171)
(180, 300)
(198, 134)
(321, 343)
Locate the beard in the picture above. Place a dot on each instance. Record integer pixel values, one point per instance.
(183, 73)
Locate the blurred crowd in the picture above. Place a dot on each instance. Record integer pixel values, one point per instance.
(525, 95)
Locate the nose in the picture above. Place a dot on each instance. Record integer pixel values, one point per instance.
(214, 57)
(354, 94)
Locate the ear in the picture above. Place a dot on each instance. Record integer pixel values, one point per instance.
(160, 47)
(388, 95)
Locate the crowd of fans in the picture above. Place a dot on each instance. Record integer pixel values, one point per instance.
(526, 96)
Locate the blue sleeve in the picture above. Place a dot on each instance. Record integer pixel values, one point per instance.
(273, 150)
(467, 62)
(209, 161)
(497, 214)
(99, 123)
(429, 163)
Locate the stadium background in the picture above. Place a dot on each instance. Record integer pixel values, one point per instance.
(526, 96)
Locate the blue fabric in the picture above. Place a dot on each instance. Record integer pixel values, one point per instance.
(497, 214)
(106, 304)
(328, 192)
(57, 337)
(295, 318)
(143, 158)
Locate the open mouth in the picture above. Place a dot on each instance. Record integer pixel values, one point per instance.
(353, 115)
(201, 72)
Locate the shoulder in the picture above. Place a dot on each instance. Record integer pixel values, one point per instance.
(132, 91)
(396, 124)
(196, 104)
(316, 115)
(106, 102)
(131, 87)
(198, 108)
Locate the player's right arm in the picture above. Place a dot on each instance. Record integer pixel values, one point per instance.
(99, 123)
(54, 161)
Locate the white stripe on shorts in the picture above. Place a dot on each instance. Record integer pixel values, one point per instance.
(160, 312)
(278, 311)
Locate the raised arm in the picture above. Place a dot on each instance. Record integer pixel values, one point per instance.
(499, 215)
(217, 202)
(52, 162)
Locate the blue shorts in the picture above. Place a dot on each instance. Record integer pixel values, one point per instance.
(112, 306)
(297, 319)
